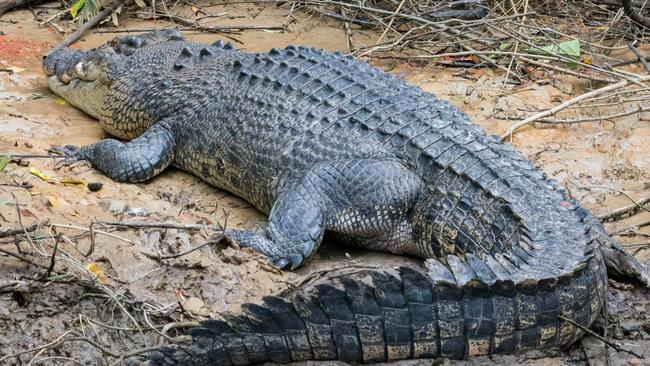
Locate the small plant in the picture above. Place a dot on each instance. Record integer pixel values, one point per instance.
(83, 10)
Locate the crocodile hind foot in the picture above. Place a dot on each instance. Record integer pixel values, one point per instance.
(355, 198)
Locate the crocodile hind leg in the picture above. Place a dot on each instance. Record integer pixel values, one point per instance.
(356, 198)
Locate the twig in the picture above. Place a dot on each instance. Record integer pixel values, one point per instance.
(22, 258)
(607, 117)
(630, 210)
(636, 16)
(28, 156)
(51, 344)
(564, 70)
(390, 23)
(639, 56)
(614, 345)
(631, 228)
(12, 232)
(217, 240)
(53, 259)
(568, 103)
(64, 226)
(159, 225)
(316, 274)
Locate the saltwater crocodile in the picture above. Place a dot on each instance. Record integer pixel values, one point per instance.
(323, 143)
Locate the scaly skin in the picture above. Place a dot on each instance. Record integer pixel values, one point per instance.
(323, 143)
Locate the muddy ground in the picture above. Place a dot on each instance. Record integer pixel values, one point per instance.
(592, 160)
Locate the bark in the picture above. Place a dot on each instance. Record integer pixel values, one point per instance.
(6, 5)
(636, 16)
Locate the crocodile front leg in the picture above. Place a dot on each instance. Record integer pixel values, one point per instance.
(364, 200)
(136, 161)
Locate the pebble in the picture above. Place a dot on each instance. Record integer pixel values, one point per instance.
(95, 186)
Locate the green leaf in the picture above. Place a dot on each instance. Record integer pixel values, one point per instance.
(76, 7)
(567, 49)
(4, 160)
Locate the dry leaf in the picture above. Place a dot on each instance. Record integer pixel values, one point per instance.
(195, 305)
(15, 69)
(179, 295)
(96, 269)
(53, 201)
(35, 172)
(27, 213)
(195, 9)
(140, 3)
(73, 182)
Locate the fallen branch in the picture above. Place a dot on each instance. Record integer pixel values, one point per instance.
(607, 117)
(612, 344)
(336, 271)
(628, 8)
(628, 210)
(6, 5)
(159, 225)
(639, 56)
(630, 229)
(72, 38)
(13, 232)
(568, 103)
(193, 28)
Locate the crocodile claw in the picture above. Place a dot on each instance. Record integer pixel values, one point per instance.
(283, 259)
(71, 154)
(282, 263)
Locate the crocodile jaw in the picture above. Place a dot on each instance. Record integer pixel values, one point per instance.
(79, 77)
(85, 95)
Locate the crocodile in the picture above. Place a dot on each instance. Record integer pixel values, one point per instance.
(325, 144)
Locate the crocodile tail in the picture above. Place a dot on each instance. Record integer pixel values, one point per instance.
(386, 316)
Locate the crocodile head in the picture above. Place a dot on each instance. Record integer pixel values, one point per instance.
(108, 82)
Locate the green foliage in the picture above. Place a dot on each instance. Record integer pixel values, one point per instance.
(83, 10)
(4, 160)
(567, 49)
